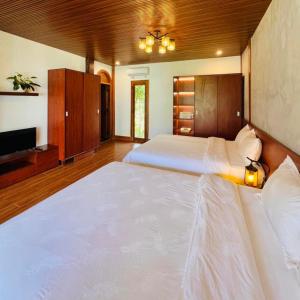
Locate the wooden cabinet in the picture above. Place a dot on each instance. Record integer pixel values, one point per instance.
(73, 111)
(218, 105)
(20, 165)
(230, 105)
(206, 106)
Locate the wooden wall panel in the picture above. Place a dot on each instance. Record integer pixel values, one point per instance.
(274, 152)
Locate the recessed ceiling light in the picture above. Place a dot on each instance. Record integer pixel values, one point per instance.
(117, 63)
(219, 52)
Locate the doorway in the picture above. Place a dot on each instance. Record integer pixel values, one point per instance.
(105, 112)
(106, 121)
(139, 110)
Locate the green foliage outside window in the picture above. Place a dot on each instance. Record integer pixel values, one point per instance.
(139, 121)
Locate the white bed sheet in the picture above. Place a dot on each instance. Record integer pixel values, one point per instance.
(278, 281)
(131, 233)
(191, 155)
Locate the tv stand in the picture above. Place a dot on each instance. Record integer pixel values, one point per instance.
(18, 166)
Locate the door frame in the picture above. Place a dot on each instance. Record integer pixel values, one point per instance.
(110, 112)
(146, 83)
(108, 79)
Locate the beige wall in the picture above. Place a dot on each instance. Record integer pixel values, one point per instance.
(30, 58)
(246, 71)
(161, 89)
(275, 73)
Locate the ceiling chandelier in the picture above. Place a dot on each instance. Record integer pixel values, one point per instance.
(164, 41)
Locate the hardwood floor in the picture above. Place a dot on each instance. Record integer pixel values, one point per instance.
(19, 197)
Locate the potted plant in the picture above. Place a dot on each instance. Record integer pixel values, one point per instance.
(26, 83)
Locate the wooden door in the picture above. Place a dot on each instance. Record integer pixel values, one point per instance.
(73, 113)
(105, 112)
(91, 112)
(56, 110)
(206, 97)
(139, 110)
(230, 105)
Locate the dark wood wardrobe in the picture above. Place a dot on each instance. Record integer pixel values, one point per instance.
(218, 105)
(73, 111)
(215, 101)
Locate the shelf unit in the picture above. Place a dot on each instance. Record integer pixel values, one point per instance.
(183, 101)
(18, 94)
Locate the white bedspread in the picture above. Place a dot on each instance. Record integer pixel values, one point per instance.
(129, 233)
(190, 154)
(279, 282)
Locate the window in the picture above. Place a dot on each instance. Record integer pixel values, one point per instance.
(139, 107)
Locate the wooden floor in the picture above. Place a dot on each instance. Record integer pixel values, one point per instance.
(21, 196)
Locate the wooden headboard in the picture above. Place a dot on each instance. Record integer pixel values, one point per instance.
(273, 152)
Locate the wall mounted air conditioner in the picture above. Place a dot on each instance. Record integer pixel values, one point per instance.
(137, 72)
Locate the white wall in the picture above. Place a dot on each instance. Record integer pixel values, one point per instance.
(246, 73)
(98, 66)
(161, 90)
(275, 75)
(31, 59)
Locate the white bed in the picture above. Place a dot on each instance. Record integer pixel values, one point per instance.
(192, 155)
(278, 281)
(130, 232)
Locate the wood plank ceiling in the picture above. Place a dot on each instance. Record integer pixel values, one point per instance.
(108, 30)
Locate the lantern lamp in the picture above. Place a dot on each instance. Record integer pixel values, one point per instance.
(251, 174)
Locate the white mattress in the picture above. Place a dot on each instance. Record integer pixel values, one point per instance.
(278, 281)
(190, 155)
(129, 232)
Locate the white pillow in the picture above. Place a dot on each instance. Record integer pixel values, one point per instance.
(281, 198)
(242, 133)
(250, 147)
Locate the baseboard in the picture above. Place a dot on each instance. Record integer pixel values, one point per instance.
(121, 138)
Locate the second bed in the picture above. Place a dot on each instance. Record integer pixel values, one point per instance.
(193, 155)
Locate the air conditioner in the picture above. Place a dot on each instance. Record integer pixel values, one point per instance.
(140, 71)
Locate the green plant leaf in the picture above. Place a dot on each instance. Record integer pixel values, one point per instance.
(24, 82)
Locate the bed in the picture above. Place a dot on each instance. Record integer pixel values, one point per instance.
(192, 155)
(131, 232)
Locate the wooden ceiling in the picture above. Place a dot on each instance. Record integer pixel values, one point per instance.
(108, 30)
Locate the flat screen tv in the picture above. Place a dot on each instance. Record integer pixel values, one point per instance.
(17, 140)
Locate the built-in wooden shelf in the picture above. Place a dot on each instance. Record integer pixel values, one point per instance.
(183, 101)
(18, 94)
(178, 132)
